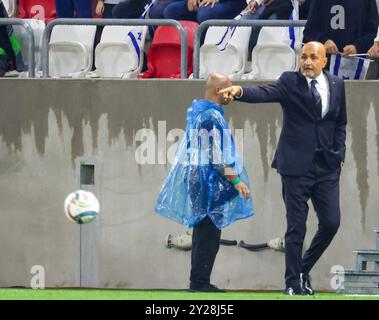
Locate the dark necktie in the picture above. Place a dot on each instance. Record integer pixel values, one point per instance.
(316, 98)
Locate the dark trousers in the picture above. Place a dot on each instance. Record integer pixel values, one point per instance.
(129, 9)
(227, 9)
(205, 244)
(66, 8)
(321, 185)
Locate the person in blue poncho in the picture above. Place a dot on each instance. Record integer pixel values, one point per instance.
(207, 187)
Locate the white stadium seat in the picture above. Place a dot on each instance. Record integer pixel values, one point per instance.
(272, 55)
(70, 50)
(38, 27)
(232, 60)
(11, 7)
(298, 44)
(116, 54)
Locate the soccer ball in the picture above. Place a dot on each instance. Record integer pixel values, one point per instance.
(81, 206)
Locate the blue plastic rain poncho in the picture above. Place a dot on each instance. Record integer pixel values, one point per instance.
(194, 187)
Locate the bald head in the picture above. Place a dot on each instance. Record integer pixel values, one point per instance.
(215, 83)
(315, 46)
(313, 59)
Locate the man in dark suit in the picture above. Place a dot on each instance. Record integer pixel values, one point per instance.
(310, 153)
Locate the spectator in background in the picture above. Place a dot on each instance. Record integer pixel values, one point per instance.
(157, 10)
(74, 8)
(10, 47)
(275, 9)
(271, 10)
(132, 9)
(129, 9)
(374, 50)
(343, 26)
(201, 10)
(104, 8)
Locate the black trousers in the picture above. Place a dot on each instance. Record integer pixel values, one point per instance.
(205, 244)
(129, 9)
(321, 185)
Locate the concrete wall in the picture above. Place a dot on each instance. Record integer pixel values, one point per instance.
(49, 127)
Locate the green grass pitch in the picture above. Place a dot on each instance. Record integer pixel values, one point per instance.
(104, 294)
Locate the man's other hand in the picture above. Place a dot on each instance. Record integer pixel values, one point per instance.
(349, 49)
(331, 47)
(99, 8)
(192, 5)
(374, 50)
(252, 7)
(205, 3)
(230, 93)
(243, 190)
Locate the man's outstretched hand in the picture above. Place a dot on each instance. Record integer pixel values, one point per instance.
(243, 190)
(230, 93)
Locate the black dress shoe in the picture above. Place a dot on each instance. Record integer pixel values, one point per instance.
(292, 291)
(305, 284)
(205, 288)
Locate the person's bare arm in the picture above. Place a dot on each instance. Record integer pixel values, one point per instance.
(238, 184)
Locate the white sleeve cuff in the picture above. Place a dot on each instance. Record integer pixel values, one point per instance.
(240, 94)
(377, 37)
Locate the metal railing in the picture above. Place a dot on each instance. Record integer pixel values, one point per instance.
(238, 23)
(114, 22)
(31, 42)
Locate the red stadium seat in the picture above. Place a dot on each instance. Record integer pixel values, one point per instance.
(164, 52)
(37, 9)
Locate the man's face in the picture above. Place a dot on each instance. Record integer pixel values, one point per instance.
(313, 60)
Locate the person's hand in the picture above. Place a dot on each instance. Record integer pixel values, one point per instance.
(100, 8)
(205, 3)
(301, 2)
(374, 50)
(331, 47)
(348, 50)
(252, 6)
(243, 190)
(230, 93)
(192, 5)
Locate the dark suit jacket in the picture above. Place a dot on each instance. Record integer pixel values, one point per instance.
(303, 131)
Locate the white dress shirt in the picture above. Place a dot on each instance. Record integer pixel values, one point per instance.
(322, 87)
(377, 36)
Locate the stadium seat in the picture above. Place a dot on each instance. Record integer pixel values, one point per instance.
(11, 7)
(272, 55)
(212, 59)
(298, 45)
(71, 50)
(116, 55)
(38, 27)
(37, 9)
(163, 56)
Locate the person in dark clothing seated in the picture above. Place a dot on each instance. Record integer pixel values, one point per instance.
(343, 26)
(202, 10)
(129, 9)
(74, 8)
(132, 9)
